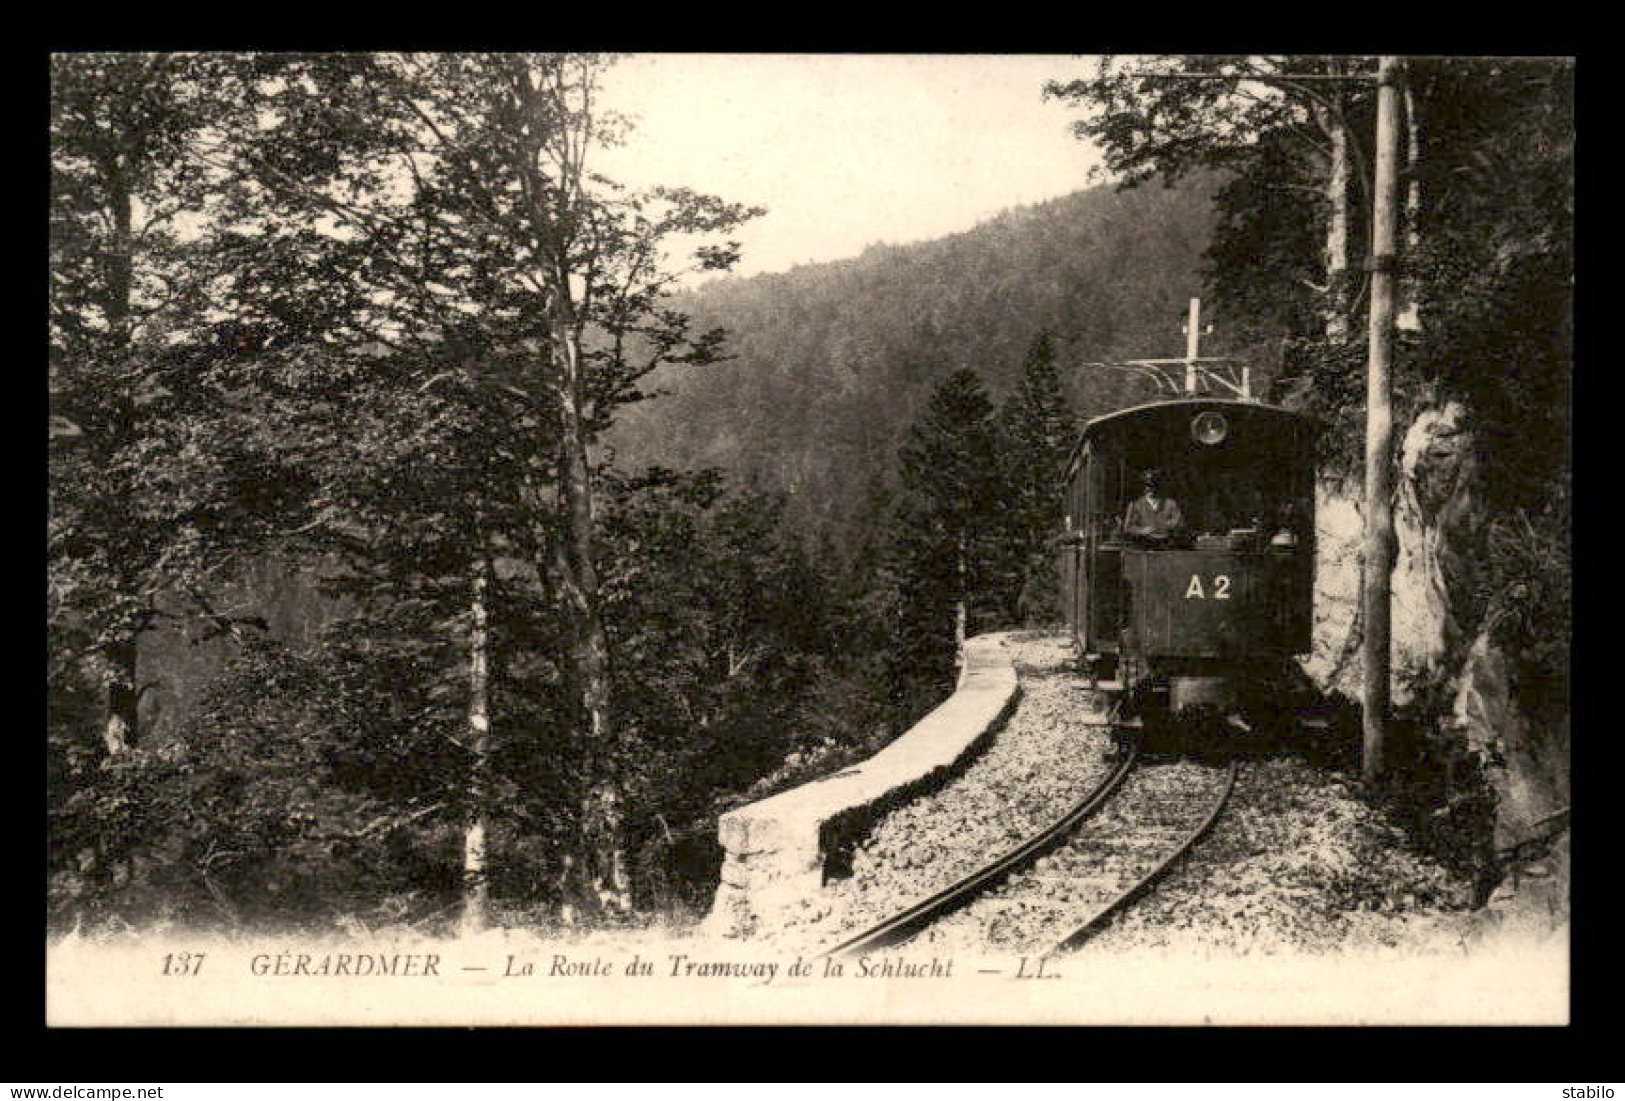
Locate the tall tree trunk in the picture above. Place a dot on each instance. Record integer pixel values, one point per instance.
(1409, 316)
(123, 696)
(476, 888)
(961, 570)
(602, 829)
(1336, 310)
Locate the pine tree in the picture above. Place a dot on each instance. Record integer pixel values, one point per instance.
(1036, 432)
(946, 528)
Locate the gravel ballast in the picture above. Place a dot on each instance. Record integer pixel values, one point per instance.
(1297, 863)
(1048, 754)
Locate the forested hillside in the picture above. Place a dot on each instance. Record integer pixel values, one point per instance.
(354, 611)
(831, 363)
(416, 556)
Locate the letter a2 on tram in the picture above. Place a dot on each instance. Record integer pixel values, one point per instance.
(1221, 588)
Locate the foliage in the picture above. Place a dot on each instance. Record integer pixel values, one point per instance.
(723, 627)
(1171, 115)
(1528, 587)
(1489, 257)
(1497, 260)
(520, 297)
(1264, 266)
(401, 310)
(157, 489)
(373, 317)
(945, 539)
(144, 508)
(1036, 433)
(831, 363)
(286, 796)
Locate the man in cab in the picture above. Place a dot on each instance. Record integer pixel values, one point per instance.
(1151, 516)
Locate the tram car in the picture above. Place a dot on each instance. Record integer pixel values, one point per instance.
(1195, 616)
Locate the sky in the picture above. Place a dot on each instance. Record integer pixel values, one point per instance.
(848, 150)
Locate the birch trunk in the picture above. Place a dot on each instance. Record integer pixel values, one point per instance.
(1409, 317)
(123, 697)
(476, 888)
(960, 616)
(1336, 311)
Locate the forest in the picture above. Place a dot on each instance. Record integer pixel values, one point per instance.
(829, 364)
(421, 553)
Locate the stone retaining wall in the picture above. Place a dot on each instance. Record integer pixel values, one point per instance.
(778, 851)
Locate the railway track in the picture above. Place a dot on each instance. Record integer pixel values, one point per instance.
(1067, 882)
(1104, 866)
(1142, 885)
(909, 922)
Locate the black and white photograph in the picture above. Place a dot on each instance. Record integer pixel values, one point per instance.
(808, 539)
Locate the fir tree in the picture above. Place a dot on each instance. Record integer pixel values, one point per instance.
(946, 528)
(1036, 431)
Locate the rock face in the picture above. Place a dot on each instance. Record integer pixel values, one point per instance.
(1334, 664)
(1527, 767)
(1439, 520)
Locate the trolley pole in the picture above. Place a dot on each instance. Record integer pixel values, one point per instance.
(1193, 340)
(1376, 654)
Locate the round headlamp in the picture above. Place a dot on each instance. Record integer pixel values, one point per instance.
(1209, 428)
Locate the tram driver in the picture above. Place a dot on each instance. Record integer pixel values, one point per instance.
(1151, 516)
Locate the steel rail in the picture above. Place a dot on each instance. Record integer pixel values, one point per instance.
(909, 922)
(1146, 882)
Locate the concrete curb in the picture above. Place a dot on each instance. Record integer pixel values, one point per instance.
(777, 852)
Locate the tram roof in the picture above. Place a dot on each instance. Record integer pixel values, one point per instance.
(1172, 406)
(1187, 405)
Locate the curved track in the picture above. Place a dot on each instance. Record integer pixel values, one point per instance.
(1103, 867)
(909, 922)
(1138, 888)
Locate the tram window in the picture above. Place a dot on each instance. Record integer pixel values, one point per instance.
(1231, 504)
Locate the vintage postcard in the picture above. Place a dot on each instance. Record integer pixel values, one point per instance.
(550, 539)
